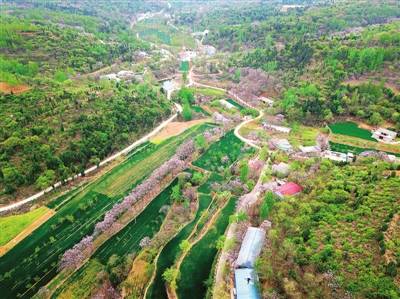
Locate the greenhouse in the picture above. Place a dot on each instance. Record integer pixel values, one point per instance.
(251, 247)
(246, 284)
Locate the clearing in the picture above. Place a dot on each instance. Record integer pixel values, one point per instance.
(175, 128)
(15, 89)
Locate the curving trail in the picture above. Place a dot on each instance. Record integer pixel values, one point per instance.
(93, 168)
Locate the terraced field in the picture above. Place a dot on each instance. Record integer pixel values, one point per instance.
(196, 267)
(170, 252)
(344, 148)
(125, 242)
(33, 262)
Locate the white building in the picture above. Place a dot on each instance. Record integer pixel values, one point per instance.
(251, 247)
(338, 157)
(282, 144)
(267, 101)
(282, 169)
(110, 77)
(309, 150)
(226, 104)
(384, 135)
(281, 129)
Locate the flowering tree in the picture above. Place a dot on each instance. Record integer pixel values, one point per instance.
(175, 165)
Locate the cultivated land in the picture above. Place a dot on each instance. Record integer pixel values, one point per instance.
(40, 251)
(337, 238)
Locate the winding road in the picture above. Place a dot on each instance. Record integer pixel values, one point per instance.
(93, 168)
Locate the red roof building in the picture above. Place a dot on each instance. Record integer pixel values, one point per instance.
(288, 189)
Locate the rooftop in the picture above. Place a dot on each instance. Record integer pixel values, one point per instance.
(245, 284)
(251, 247)
(288, 189)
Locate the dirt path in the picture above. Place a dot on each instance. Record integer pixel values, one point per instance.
(126, 150)
(175, 128)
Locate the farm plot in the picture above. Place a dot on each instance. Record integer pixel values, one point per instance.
(196, 267)
(200, 110)
(33, 262)
(351, 129)
(171, 251)
(236, 104)
(11, 226)
(184, 67)
(125, 242)
(222, 153)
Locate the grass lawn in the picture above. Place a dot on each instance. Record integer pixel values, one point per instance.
(196, 267)
(351, 129)
(11, 226)
(171, 251)
(32, 263)
(211, 92)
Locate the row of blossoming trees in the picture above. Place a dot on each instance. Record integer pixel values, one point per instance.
(73, 257)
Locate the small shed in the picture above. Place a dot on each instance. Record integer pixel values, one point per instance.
(338, 157)
(246, 284)
(384, 135)
(309, 149)
(281, 129)
(251, 247)
(284, 145)
(227, 105)
(288, 189)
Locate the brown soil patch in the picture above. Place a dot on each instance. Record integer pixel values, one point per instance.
(27, 231)
(175, 128)
(17, 89)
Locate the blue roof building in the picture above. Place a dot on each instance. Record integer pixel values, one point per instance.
(251, 247)
(246, 284)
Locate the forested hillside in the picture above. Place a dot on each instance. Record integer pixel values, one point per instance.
(335, 237)
(340, 60)
(55, 121)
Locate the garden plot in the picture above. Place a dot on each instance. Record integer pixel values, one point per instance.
(351, 129)
(171, 251)
(196, 267)
(344, 148)
(33, 262)
(222, 153)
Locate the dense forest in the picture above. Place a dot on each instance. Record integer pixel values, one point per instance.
(336, 235)
(59, 121)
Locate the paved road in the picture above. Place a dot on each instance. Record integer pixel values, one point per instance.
(93, 168)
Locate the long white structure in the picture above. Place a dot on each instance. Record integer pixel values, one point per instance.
(251, 247)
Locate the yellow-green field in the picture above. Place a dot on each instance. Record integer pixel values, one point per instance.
(11, 226)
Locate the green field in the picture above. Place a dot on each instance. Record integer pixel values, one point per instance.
(11, 226)
(33, 262)
(351, 129)
(236, 104)
(127, 240)
(210, 92)
(196, 267)
(198, 109)
(184, 67)
(228, 146)
(344, 148)
(170, 252)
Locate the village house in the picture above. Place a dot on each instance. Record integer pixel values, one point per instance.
(267, 101)
(281, 129)
(227, 105)
(384, 135)
(282, 169)
(310, 151)
(338, 157)
(282, 144)
(288, 189)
